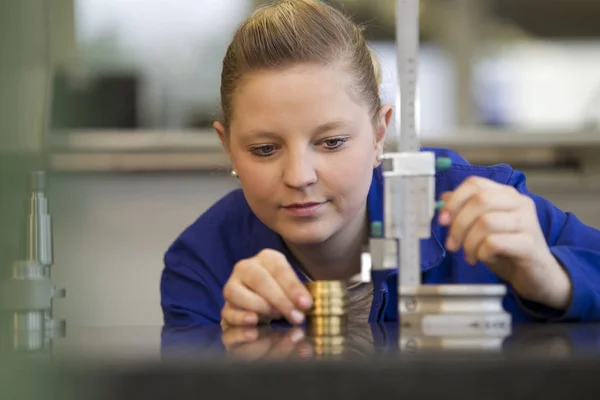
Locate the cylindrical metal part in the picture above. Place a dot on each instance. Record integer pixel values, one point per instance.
(39, 226)
(29, 330)
(29, 320)
(30, 288)
(37, 181)
(26, 318)
(29, 270)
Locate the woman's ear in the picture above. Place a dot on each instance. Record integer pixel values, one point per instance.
(383, 122)
(220, 128)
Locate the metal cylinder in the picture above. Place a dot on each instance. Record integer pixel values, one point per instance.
(26, 298)
(39, 224)
(29, 270)
(26, 307)
(29, 330)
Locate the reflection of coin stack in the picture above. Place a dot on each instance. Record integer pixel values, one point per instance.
(327, 319)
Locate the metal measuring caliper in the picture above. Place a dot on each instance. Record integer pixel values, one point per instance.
(409, 207)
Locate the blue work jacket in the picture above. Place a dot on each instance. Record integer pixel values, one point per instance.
(201, 259)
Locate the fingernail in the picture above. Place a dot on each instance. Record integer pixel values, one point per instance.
(451, 244)
(297, 336)
(304, 302)
(444, 218)
(250, 319)
(297, 316)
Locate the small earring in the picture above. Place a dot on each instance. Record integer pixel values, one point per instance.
(233, 173)
(379, 157)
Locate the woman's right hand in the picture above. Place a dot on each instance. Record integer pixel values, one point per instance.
(264, 287)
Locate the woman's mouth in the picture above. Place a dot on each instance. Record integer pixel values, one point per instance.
(304, 209)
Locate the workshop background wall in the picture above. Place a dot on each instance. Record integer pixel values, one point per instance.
(110, 234)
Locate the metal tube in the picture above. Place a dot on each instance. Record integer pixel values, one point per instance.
(39, 227)
(26, 299)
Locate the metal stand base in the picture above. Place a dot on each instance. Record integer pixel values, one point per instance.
(452, 316)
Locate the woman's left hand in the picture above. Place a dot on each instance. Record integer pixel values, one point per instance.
(499, 226)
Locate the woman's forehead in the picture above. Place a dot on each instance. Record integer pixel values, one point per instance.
(296, 93)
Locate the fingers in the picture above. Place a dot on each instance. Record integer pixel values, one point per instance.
(284, 275)
(232, 316)
(478, 205)
(260, 281)
(499, 245)
(236, 293)
(497, 222)
(470, 202)
(479, 212)
(498, 226)
(267, 286)
(455, 200)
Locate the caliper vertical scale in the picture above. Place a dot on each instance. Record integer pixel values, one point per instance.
(409, 207)
(409, 145)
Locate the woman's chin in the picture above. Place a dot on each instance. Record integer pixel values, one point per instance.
(305, 237)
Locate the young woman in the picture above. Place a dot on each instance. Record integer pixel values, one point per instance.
(304, 127)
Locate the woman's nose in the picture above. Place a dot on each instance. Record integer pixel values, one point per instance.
(299, 170)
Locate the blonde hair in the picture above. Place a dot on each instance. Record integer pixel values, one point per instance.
(288, 32)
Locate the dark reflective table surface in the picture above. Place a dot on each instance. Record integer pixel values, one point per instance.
(374, 341)
(546, 361)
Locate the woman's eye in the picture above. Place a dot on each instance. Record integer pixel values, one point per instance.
(263, 151)
(334, 143)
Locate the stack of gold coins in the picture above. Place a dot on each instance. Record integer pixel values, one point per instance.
(326, 321)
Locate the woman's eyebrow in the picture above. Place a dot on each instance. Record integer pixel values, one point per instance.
(262, 134)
